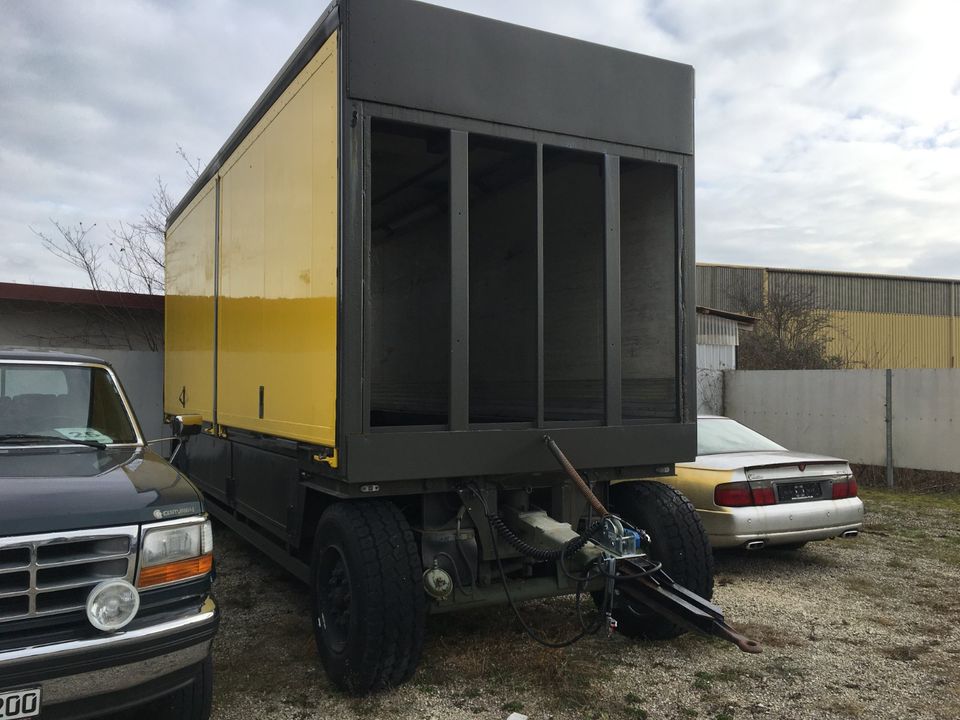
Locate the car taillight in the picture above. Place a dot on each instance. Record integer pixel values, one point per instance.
(763, 493)
(846, 488)
(735, 494)
(744, 494)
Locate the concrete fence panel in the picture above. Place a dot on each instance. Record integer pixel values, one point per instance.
(926, 419)
(833, 412)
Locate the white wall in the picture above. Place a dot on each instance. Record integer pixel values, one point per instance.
(843, 413)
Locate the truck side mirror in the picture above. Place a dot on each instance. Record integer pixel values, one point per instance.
(186, 425)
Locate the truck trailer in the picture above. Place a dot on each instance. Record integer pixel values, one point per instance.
(432, 303)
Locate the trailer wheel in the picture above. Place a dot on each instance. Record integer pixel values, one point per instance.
(369, 608)
(678, 541)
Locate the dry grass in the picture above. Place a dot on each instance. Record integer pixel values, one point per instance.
(770, 636)
(905, 653)
(848, 708)
(462, 653)
(908, 480)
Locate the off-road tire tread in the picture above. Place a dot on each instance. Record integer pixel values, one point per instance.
(389, 597)
(679, 541)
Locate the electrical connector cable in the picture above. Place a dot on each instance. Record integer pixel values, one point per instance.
(585, 630)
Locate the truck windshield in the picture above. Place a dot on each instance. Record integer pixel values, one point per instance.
(58, 401)
(723, 435)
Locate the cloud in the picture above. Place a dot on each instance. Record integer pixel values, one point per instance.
(827, 136)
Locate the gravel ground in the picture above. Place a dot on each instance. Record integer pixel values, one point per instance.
(850, 628)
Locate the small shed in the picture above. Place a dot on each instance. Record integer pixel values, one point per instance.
(718, 335)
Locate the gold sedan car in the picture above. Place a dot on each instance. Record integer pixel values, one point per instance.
(752, 493)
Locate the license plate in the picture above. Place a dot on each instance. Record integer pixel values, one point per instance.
(20, 704)
(800, 491)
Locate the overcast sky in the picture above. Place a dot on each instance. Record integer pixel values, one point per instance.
(828, 132)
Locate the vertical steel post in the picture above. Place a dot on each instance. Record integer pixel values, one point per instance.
(889, 424)
(954, 286)
(216, 302)
(459, 281)
(612, 328)
(540, 391)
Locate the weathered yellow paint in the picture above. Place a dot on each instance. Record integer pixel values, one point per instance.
(278, 265)
(895, 340)
(189, 308)
(696, 484)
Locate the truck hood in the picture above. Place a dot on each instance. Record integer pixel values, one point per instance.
(44, 490)
(736, 461)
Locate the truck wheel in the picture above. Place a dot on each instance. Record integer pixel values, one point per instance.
(369, 608)
(194, 701)
(678, 541)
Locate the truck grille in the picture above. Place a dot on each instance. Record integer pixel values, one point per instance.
(50, 574)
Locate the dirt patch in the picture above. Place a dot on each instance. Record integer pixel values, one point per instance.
(864, 628)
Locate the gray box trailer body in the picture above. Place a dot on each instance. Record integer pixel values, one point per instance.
(514, 259)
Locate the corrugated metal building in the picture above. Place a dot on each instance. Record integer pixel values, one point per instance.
(879, 321)
(718, 335)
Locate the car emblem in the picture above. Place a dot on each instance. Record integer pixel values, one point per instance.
(802, 466)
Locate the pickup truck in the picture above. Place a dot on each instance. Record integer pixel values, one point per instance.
(106, 554)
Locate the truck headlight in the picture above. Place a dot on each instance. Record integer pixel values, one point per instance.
(112, 604)
(174, 551)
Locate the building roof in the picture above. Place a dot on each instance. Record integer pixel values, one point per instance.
(739, 317)
(834, 273)
(80, 296)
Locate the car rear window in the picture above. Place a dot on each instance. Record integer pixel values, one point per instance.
(723, 435)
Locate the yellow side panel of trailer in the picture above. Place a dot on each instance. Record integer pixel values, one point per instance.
(189, 308)
(277, 352)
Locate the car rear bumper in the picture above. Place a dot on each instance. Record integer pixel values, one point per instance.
(783, 523)
(95, 676)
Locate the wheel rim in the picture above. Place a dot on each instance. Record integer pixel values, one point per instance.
(334, 599)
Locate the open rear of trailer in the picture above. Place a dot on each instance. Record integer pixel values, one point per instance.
(439, 254)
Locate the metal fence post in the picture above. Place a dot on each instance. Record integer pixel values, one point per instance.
(889, 425)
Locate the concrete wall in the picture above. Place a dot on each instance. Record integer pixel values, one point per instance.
(130, 339)
(843, 413)
(709, 391)
(926, 419)
(52, 326)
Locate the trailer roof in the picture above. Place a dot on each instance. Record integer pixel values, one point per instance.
(416, 55)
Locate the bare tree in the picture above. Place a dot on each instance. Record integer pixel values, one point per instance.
(73, 244)
(137, 247)
(791, 333)
(136, 254)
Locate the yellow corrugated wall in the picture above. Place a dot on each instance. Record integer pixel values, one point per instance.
(896, 340)
(278, 265)
(188, 309)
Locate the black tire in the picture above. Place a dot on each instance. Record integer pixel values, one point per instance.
(678, 541)
(192, 702)
(369, 607)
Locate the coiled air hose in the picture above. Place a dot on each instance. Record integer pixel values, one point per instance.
(520, 545)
